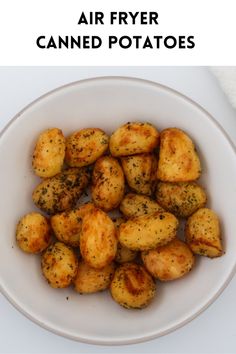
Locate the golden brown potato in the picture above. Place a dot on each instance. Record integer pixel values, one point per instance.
(123, 253)
(169, 262)
(145, 232)
(118, 221)
(108, 183)
(136, 205)
(90, 280)
(49, 153)
(98, 241)
(59, 265)
(178, 160)
(203, 234)
(67, 225)
(133, 138)
(132, 286)
(33, 233)
(140, 172)
(85, 146)
(181, 199)
(62, 191)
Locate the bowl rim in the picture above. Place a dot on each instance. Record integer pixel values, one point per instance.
(146, 337)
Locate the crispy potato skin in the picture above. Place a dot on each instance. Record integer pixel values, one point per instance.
(181, 199)
(132, 286)
(178, 160)
(67, 225)
(169, 262)
(62, 191)
(98, 239)
(108, 183)
(136, 205)
(49, 153)
(145, 232)
(33, 233)
(118, 221)
(140, 172)
(123, 253)
(133, 138)
(85, 146)
(90, 280)
(203, 234)
(59, 265)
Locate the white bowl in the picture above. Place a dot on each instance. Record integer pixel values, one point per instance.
(107, 103)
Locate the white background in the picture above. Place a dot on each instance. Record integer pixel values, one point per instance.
(214, 331)
(211, 22)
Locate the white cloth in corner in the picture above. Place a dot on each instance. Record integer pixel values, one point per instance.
(226, 75)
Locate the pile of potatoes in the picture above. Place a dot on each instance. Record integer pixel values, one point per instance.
(150, 178)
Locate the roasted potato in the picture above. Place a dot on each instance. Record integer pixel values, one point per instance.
(49, 153)
(145, 232)
(98, 239)
(118, 221)
(108, 183)
(181, 199)
(133, 138)
(85, 146)
(169, 262)
(59, 265)
(62, 191)
(203, 234)
(123, 253)
(136, 205)
(90, 280)
(33, 233)
(67, 225)
(132, 286)
(140, 172)
(178, 160)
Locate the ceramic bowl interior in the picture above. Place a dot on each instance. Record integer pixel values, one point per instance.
(107, 103)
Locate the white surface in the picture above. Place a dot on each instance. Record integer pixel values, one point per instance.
(214, 330)
(108, 103)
